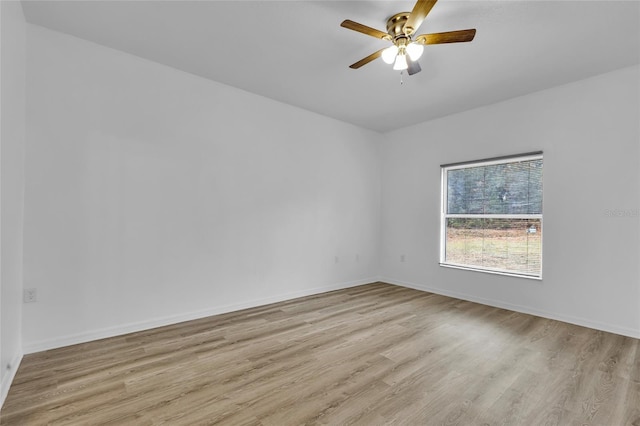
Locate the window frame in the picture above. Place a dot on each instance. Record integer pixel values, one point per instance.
(444, 215)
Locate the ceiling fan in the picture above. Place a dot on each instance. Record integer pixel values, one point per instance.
(406, 49)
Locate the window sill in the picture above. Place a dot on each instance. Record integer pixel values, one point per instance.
(491, 271)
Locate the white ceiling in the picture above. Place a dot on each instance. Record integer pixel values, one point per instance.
(296, 52)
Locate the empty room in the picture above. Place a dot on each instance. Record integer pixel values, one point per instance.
(320, 212)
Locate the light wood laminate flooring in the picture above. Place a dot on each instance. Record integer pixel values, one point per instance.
(370, 355)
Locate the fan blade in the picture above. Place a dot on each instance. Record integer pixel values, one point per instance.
(414, 67)
(419, 12)
(366, 60)
(351, 25)
(447, 37)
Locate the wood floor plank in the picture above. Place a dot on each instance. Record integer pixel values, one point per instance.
(369, 355)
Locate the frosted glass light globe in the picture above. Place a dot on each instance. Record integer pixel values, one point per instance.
(401, 63)
(415, 51)
(389, 54)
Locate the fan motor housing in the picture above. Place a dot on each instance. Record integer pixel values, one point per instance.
(395, 25)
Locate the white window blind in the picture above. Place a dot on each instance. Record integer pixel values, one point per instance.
(492, 215)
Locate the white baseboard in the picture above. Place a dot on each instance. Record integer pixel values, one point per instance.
(73, 339)
(610, 328)
(8, 378)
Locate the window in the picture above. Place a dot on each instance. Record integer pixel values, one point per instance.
(492, 215)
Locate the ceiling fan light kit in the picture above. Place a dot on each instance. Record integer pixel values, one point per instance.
(406, 50)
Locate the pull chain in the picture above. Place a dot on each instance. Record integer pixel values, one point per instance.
(401, 82)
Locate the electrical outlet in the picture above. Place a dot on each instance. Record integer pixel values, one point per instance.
(29, 295)
(336, 259)
(357, 258)
(402, 258)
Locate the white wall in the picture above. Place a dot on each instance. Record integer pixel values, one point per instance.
(589, 132)
(12, 141)
(154, 196)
